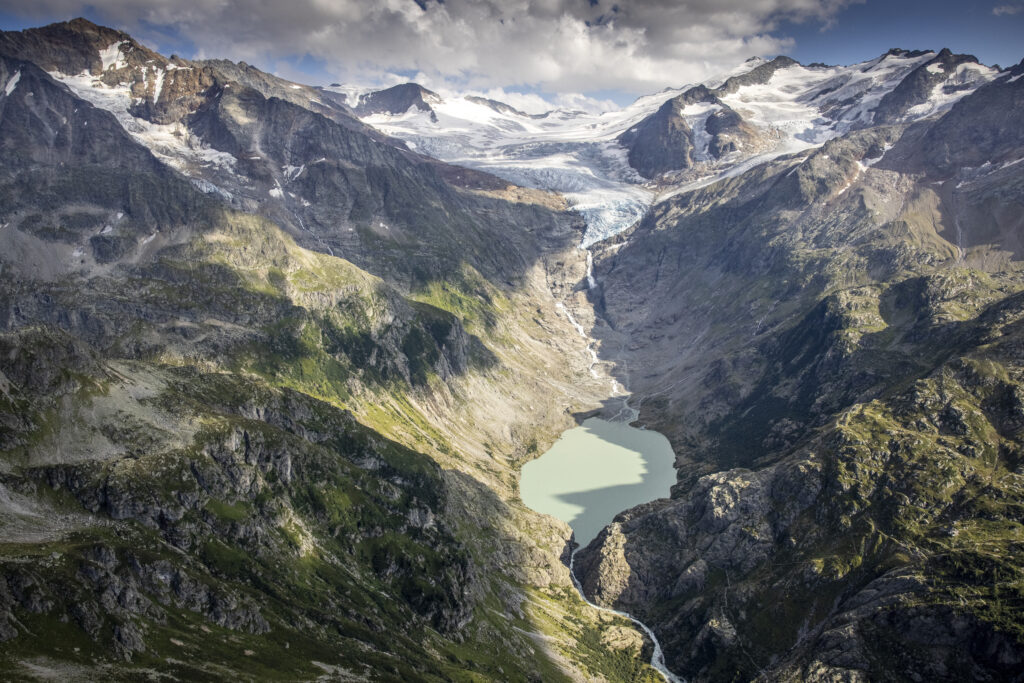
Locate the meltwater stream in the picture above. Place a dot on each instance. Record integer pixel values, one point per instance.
(592, 473)
(657, 657)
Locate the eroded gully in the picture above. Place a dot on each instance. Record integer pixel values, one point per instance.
(626, 414)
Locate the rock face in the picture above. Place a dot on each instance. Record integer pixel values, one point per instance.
(661, 142)
(710, 124)
(919, 86)
(832, 344)
(499, 107)
(975, 131)
(398, 100)
(665, 142)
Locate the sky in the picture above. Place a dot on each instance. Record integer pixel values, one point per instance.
(534, 54)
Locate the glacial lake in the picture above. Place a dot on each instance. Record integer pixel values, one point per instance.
(595, 471)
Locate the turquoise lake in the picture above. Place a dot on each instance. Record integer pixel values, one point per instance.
(595, 471)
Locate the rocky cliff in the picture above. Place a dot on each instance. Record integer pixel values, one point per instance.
(831, 342)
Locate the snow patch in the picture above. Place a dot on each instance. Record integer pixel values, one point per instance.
(12, 83)
(963, 81)
(207, 187)
(171, 143)
(158, 84)
(577, 153)
(696, 116)
(112, 56)
(867, 163)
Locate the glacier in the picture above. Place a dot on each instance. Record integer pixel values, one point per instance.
(577, 155)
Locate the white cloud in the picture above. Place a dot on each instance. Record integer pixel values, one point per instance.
(556, 46)
(1000, 10)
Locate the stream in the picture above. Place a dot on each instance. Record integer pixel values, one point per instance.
(657, 657)
(598, 469)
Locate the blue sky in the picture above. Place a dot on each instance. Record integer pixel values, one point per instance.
(571, 52)
(869, 29)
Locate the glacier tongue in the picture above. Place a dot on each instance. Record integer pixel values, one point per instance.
(573, 153)
(609, 211)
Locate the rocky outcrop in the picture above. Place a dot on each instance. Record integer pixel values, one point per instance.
(759, 75)
(75, 46)
(499, 107)
(978, 129)
(729, 133)
(918, 87)
(661, 142)
(664, 141)
(323, 102)
(398, 99)
(218, 517)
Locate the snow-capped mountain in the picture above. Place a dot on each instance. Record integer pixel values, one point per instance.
(270, 375)
(613, 166)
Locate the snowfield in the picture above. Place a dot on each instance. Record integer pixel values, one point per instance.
(173, 143)
(576, 153)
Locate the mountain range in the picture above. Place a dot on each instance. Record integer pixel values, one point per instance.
(272, 355)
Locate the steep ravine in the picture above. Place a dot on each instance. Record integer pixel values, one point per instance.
(619, 391)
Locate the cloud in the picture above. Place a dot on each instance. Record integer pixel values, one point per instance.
(549, 46)
(1000, 10)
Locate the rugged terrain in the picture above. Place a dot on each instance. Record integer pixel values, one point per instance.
(821, 310)
(265, 382)
(268, 374)
(832, 343)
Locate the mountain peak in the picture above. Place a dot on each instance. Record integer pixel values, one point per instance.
(500, 107)
(72, 47)
(398, 99)
(899, 52)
